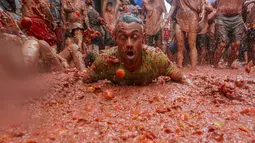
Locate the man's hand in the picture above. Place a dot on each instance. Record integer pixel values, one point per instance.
(163, 23)
(200, 26)
(187, 81)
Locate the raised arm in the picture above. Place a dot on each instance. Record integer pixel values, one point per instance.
(172, 10)
(143, 11)
(164, 8)
(247, 2)
(104, 8)
(62, 13)
(118, 3)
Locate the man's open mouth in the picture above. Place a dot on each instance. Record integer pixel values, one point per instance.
(130, 54)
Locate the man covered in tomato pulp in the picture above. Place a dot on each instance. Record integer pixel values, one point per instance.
(131, 62)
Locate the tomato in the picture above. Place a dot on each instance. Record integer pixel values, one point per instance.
(26, 22)
(248, 69)
(120, 73)
(78, 14)
(108, 94)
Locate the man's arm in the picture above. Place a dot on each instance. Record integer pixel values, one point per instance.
(87, 18)
(177, 76)
(143, 10)
(118, 3)
(62, 13)
(104, 8)
(247, 2)
(172, 10)
(164, 8)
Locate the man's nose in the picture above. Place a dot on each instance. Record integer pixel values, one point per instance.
(129, 44)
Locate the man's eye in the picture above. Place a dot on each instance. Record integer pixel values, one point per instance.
(123, 37)
(134, 37)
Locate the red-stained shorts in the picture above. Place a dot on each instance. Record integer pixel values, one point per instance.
(40, 29)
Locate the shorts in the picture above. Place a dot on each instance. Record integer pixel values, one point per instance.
(172, 47)
(188, 21)
(229, 29)
(202, 40)
(156, 37)
(251, 34)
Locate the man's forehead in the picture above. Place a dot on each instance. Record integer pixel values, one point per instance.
(123, 26)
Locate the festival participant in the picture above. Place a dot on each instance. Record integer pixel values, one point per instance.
(211, 32)
(109, 14)
(154, 10)
(38, 21)
(136, 11)
(122, 6)
(97, 23)
(202, 37)
(131, 62)
(13, 7)
(251, 29)
(187, 15)
(10, 17)
(58, 15)
(228, 21)
(74, 16)
(72, 54)
(38, 55)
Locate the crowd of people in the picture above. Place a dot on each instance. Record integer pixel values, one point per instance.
(61, 34)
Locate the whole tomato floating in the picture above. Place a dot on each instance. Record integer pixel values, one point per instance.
(120, 73)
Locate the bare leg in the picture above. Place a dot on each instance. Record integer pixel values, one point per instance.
(203, 54)
(158, 40)
(78, 38)
(252, 50)
(54, 48)
(65, 56)
(193, 49)
(77, 57)
(234, 52)
(50, 60)
(180, 46)
(218, 53)
(31, 52)
(246, 57)
(212, 48)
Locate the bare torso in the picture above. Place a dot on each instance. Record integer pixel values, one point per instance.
(109, 18)
(230, 7)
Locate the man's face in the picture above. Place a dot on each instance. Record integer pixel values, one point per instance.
(109, 7)
(125, 7)
(129, 39)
